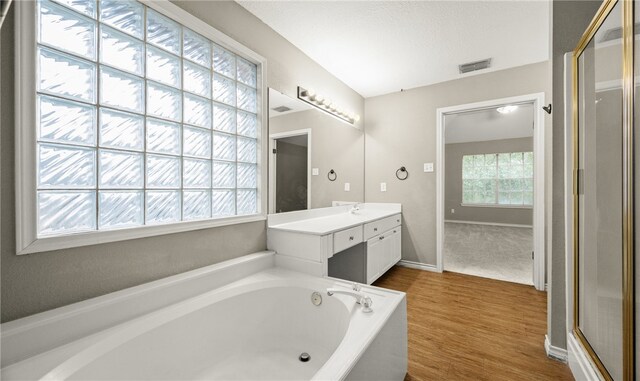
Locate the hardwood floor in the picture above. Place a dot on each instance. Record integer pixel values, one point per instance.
(463, 327)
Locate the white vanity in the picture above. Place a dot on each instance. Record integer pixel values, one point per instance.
(355, 242)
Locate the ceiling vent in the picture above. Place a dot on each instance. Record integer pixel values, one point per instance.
(473, 66)
(616, 33)
(281, 109)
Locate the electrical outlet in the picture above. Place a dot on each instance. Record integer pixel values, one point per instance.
(428, 167)
(383, 187)
(315, 171)
(453, 211)
(347, 187)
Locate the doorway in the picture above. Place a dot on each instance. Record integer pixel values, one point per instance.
(290, 170)
(490, 193)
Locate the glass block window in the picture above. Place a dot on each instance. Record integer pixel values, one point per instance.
(141, 121)
(498, 179)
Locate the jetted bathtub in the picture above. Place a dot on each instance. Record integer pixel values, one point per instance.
(256, 327)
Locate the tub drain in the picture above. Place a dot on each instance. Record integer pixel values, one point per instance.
(304, 357)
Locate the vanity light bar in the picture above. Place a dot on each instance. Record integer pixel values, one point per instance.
(324, 104)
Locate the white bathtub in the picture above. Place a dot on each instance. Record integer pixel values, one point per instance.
(253, 328)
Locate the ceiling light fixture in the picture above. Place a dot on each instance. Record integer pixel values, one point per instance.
(507, 109)
(326, 105)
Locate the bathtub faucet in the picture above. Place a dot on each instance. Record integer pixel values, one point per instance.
(361, 299)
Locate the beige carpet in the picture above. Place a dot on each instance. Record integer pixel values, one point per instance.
(488, 251)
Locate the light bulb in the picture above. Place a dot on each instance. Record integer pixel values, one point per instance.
(311, 94)
(507, 109)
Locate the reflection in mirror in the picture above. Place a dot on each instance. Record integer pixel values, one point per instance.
(599, 288)
(305, 144)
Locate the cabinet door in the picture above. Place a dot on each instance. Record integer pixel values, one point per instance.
(396, 248)
(392, 248)
(376, 250)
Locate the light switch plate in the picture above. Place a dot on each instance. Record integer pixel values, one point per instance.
(347, 187)
(315, 172)
(428, 167)
(383, 187)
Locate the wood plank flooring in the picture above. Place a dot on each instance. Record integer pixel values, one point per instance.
(463, 327)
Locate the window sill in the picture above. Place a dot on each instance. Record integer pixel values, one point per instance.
(498, 206)
(105, 236)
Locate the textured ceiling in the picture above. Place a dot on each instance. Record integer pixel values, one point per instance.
(489, 124)
(379, 47)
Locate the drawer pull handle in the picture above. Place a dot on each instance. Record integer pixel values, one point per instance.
(394, 231)
(397, 220)
(375, 229)
(351, 238)
(381, 237)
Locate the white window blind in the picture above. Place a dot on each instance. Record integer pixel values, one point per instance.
(141, 121)
(498, 179)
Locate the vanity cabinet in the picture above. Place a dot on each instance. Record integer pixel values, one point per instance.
(375, 228)
(347, 238)
(382, 252)
(358, 245)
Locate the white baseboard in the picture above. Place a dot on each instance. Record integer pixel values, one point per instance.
(488, 223)
(580, 365)
(418, 265)
(553, 352)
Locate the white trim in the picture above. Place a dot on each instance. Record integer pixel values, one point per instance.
(581, 366)
(272, 165)
(568, 191)
(553, 352)
(489, 223)
(25, 138)
(503, 206)
(106, 236)
(539, 177)
(418, 266)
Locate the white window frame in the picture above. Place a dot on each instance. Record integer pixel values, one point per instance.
(495, 204)
(27, 240)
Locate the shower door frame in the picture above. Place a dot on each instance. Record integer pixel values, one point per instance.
(627, 185)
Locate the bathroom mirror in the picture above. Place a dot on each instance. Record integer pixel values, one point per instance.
(315, 159)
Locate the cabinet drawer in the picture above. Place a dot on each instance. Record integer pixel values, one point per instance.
(374, 228)
(346, 238)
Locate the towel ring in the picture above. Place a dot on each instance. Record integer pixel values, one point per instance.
(332, 173)
(402, 170)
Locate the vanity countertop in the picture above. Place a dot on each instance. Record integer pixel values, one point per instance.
(340, 220)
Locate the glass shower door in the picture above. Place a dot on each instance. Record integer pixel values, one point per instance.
(599, 182)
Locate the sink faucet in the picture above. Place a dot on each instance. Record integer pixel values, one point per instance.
(361, 299)
(355, 208)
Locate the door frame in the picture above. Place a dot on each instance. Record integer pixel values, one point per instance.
(273, 159)
(539, 212)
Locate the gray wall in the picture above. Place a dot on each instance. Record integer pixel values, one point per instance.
(334, 145)
(569, 21)
(37, 282)
(453, 183)
(401, 131)
(291, 177)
